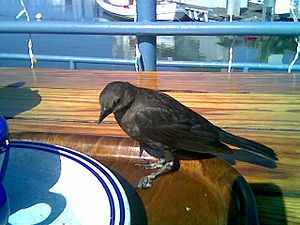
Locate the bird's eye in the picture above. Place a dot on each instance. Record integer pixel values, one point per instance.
(118, 100)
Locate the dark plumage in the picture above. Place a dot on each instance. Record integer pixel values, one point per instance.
(162, 125)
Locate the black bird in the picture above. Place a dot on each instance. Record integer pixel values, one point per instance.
(163, 126)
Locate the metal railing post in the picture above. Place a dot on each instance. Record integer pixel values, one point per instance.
(72, 65)
(146, 11)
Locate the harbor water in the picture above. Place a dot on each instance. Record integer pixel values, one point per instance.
(249, 49)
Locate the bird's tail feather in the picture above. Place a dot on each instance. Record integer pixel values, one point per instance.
(249, 145)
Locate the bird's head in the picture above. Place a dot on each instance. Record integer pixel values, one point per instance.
(114, 97)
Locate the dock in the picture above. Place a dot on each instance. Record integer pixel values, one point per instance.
(61, 107)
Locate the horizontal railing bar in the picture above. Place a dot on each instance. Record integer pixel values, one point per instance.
(162, 63)
(222, 65)
(76, 59)
(152, 28)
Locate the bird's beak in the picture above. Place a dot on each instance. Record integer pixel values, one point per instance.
(104, 113)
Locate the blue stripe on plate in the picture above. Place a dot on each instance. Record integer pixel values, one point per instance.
(49, 147)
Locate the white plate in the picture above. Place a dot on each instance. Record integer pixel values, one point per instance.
(49, 184)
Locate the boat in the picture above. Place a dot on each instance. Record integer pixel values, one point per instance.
(126, 9)
(206, 10)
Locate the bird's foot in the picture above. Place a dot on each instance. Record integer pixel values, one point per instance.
(146, 181)
(153, 165)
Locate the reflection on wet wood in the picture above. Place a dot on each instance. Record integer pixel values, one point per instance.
(286, 144)
(260, 111)
(263, 107)
(174, 198)
(176, 81)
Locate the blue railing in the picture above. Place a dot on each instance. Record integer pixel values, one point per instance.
(146, 30)
(73, 60)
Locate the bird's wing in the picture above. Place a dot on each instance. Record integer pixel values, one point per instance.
(178, 127)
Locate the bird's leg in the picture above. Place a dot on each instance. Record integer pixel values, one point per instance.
(146, 181)
(153, 165)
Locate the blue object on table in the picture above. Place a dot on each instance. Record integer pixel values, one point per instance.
(4, 206)
(3, 130)
(4, 153)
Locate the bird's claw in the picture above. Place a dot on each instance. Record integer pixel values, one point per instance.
(142, 165)
(151, 166)
(145, 182)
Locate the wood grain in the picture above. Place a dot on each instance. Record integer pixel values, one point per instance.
(209, 176)
(259, 111)
(262, 107)
(167, 81)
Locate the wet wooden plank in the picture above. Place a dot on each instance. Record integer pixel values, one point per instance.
(210, 176)
(120, 154)
(285, 144)
(169, 81)
(259, 111)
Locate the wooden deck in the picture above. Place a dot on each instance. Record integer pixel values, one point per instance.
(61, 107)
